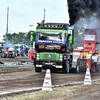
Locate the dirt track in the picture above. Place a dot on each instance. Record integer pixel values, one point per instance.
(14, 78)
(16, 59)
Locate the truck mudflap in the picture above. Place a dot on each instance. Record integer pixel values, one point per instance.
(82, 63)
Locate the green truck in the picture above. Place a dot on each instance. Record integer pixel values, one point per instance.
(53, 47)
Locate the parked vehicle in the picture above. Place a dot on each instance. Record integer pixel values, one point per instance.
(6, 53)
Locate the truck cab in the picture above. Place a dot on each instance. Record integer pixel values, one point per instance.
(53, 46)
(90, 40)
(89, 55)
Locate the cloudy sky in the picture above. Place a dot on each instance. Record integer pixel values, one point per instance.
(23, 13)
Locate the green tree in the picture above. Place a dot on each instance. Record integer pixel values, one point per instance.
(15, 38)
(27, 39)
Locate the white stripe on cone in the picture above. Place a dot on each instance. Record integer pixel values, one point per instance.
(87, 79)
(47, 81)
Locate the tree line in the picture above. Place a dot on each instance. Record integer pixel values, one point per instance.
(18, 38)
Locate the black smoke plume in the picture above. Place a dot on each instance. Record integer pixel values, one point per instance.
(83, 8)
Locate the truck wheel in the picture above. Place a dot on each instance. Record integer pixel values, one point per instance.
(37, 69)
(66, 69)
(53, 70)
(12, 56)
(2, 55)
(76, 69)
(93, 68)
(97, 68)
(6, 56)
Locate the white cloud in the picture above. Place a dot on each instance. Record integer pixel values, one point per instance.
(12, 12)
(31, 2)
(16, 13)
(44, 4)
(2, 11)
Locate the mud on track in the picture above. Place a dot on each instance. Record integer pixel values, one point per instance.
(16, 59)
(24, 77)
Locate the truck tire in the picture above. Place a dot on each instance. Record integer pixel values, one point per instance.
(93, 68)
(12, 56)
(66, 69)
(99, 68)
(53, 70)
(6, 55)
(38, 69)
(76, 70)
(2, 55)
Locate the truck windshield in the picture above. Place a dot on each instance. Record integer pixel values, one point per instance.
(89, 37)
(51, 36)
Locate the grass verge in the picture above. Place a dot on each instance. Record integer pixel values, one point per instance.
(17, 66)
(57, 94)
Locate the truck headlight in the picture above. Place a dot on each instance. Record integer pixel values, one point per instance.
(38, 56)
(64, 57)
(61, 57)
(34, 55)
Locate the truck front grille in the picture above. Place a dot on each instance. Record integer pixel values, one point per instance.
(49, 56)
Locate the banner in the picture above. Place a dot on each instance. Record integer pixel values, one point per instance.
(50, 41)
